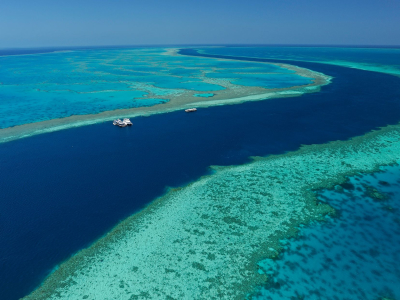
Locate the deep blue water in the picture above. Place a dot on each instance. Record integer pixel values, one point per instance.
(60, 191)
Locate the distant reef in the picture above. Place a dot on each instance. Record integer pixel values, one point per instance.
(108, 87)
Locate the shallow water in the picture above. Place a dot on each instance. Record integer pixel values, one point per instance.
(385, 60)
(206, 95)
(47, 86)
(271, 81)
(354, 255)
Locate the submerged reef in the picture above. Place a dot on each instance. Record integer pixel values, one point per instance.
(205, 240)
(374, 193)
(384, 60)
(353, 255)
(55, 91)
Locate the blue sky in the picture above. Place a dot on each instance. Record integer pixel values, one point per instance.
(40, 23)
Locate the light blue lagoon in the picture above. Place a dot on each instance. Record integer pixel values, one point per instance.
(264, 80)
(205, 95)
(41, 87)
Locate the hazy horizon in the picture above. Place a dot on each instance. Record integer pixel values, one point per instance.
(46, 23)
(204, 45)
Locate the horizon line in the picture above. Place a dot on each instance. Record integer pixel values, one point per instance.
(197, 45)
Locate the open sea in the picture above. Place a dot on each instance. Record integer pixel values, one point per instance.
(61, 191)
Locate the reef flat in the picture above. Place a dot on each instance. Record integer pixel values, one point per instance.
(204, 241)
(353, 255)
(384, 60)
(54, 91)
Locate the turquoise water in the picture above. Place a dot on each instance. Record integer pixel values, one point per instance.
(185, 72)
(184, 83)
(263, 80)
(205, 95)
(265, 68)
(373, 59)
(41, 87)
(352, 256)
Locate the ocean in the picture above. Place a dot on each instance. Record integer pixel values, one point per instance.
(63, 190)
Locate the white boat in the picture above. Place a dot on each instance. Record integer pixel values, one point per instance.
(127, 121)
(116, 122)
(190, 109)
(123, 123)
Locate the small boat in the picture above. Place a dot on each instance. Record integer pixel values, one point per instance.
(117, 122)
(190, 109)
(123, 123)
(127, 121)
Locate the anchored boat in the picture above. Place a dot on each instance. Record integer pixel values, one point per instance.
(125, 122)
(190, 109)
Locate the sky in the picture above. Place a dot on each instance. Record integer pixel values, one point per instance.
(46, 23)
